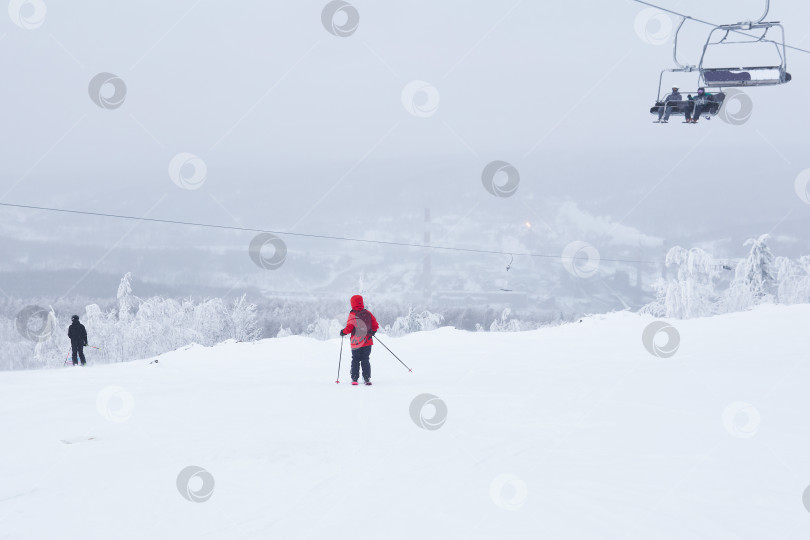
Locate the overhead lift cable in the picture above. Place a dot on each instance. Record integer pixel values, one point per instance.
(709, 23)
(311, 235)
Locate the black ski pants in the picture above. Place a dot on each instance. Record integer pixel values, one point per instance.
(78, 349)
(698, 110)
(360, 357)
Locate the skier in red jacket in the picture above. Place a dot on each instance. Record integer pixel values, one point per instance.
(361, 326)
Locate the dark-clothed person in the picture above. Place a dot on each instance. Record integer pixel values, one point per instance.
(669, 105)
(78, 340)
(701, 100)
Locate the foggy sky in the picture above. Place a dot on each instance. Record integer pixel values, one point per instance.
(306, 131)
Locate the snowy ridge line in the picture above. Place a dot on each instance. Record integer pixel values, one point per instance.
(712, 24)
(322, 236)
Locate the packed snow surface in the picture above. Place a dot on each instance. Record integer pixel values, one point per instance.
(569, 432)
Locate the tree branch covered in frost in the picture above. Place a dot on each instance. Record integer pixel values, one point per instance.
(759, 278)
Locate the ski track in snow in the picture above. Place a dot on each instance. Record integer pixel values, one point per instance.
(565, 432)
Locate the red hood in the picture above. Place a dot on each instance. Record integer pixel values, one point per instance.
(357, 302)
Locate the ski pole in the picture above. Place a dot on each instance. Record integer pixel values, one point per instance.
(68, 355)
(96, 348)
(392, 352)
(339, 359)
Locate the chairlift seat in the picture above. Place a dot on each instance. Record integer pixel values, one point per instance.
(746, 76)
(679, 108)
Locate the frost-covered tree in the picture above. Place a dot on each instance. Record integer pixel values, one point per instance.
(692, 293)
(323, 329)
(803, 286)
(55, 341)
(792, 280)
(658, 307)
(126, 301)
(754, 279)
(415, 322)
(283, 332)
(757, 268)
(243, 320)
(505, 324)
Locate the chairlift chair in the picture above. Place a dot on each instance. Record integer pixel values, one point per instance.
(743, 76)
(506, 281)
(680, 108)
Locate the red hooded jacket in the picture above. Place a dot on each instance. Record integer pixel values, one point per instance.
(360, 323)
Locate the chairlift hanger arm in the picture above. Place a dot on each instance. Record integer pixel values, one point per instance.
(767, 9)
(709, 23)
(675, 44)
(681, 68)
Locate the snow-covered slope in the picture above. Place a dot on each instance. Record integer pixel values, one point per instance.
(568, 432)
